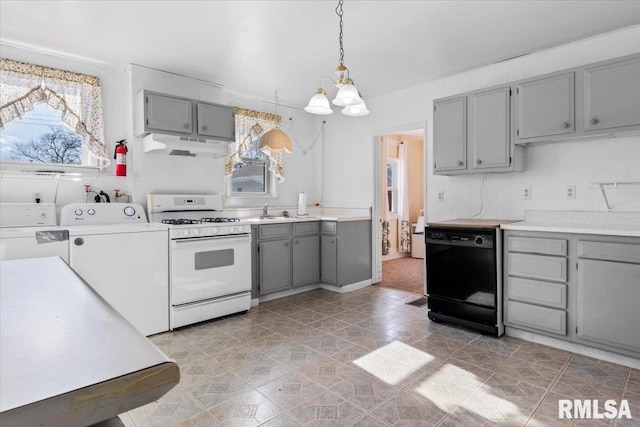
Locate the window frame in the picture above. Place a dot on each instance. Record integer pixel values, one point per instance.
(395, 166)
(88, 162)
(270, 186)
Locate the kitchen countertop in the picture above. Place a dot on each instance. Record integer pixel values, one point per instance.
(67, 357)
(580, 222)
(471, 223)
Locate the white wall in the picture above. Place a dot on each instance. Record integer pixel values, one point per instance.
(151, 172)
(549, 167)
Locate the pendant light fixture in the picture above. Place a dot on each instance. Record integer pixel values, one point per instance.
(275, 140)
(347, 96)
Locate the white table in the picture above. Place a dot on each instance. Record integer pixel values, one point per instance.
(67, 358)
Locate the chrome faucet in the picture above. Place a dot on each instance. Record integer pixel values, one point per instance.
(264, 209)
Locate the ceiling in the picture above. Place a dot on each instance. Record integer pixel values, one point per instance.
(254, 48)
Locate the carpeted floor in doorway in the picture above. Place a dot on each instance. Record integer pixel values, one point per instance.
(405, 274)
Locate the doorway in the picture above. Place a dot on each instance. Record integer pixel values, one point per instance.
(399, 204)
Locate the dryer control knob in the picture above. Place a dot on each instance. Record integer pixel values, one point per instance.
(91, 211)
(78, 212)
(479, 240)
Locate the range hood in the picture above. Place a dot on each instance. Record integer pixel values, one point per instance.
(184, 146)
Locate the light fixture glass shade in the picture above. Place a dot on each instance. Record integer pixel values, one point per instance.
(356, 110)
(347, 94)
(275, 141)
(319, 104)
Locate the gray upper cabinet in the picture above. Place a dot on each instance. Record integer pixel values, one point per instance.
(167, 113)
(473, 133)
(450, 134)
(217, 121)
(490, 128)
(546, 107)
(612, 95)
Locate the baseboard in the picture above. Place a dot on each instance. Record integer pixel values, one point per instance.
(577, 348)
(347, 288)
(287, 293)
(255, 301)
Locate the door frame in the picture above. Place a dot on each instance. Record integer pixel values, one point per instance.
(376, 226)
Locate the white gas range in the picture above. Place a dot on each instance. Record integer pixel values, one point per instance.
(209, 257)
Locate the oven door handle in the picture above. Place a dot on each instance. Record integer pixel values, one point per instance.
(220, 240)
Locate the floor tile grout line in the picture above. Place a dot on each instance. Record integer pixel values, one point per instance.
(550, 387)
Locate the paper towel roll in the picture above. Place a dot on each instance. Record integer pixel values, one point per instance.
(302, 204)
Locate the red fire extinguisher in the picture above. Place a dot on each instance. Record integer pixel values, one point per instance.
(121, 157)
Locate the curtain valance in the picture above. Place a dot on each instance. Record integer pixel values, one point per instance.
(78, 96)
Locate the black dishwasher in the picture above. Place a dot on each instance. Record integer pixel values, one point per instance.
(464, 277)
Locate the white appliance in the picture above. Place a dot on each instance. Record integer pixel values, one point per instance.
(123, 258)
(209, 257)
(28, 230)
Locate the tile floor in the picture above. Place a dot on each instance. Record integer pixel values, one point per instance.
(368, 359)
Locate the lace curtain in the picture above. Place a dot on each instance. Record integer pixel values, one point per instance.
(77, 96)
(251, 124)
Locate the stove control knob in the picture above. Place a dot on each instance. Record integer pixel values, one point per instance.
(214, 231)
(185, 233)
(195, 231)
(78, 212)
(129, 211)
(479, 240)
(91, 211)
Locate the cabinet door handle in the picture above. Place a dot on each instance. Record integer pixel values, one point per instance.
(286, 243)
(594, 121)
(565, 125)
(186, 126)
(478, 162)
(204, 127)
(297, 242)
(332, 241)
(460, 163)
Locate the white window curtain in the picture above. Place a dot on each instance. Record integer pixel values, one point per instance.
(77, 96)
(384, 215)
(404, 229)
(250, 125)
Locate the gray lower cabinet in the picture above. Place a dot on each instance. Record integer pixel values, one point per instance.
(345, 252)
(329, 257)
(288, 255)
(536, 277)
(609, 292)
(580, 288)
(275, 265)
(306, 253)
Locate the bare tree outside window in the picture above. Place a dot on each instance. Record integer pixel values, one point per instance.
(59, 145)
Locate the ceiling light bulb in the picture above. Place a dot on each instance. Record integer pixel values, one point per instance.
(347, 95)
(319, 104)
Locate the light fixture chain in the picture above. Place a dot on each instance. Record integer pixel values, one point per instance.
(339, 13)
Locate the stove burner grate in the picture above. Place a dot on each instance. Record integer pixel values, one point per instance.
(181, 221)
(220, 219)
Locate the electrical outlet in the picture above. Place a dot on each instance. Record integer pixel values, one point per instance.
(38, 196)
(571, 192)
(441, 196)
(526, 193)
